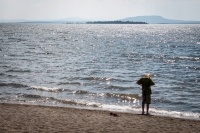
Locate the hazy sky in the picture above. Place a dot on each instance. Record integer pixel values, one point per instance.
(99, 9)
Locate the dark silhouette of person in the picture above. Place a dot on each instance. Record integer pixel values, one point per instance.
(146, 84)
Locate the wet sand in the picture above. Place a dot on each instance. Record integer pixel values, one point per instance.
(33, 118)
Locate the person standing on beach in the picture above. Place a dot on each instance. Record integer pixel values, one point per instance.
(146, 84)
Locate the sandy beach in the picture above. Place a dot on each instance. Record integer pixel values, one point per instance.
(33, 118)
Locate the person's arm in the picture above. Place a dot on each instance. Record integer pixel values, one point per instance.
(150, 86)
(152, 83)
(138, 82)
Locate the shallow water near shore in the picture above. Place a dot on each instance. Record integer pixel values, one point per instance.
(96, 66)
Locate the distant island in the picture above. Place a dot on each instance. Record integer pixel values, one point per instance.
(158, 20)
(115, 22)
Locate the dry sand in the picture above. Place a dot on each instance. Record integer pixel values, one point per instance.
(30, 118)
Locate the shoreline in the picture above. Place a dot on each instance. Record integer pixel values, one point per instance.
(135, 112)
(37, 118)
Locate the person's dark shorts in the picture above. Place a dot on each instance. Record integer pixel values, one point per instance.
(146, 99)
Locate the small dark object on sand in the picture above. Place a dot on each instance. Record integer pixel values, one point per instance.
(114, 114)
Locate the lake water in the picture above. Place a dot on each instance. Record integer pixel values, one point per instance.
(97, 66)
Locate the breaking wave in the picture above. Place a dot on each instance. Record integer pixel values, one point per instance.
(54, 89)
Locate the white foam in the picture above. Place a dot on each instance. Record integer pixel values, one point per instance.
(185, 57)
(175, 113)
(54, 89)
(114, 107)
(136, 109)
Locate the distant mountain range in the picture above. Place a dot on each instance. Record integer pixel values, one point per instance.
(158, 20)
(146, 19)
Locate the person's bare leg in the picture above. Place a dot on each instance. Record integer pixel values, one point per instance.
(142, 108)
(147, 108)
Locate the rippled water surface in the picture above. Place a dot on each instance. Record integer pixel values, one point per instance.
(96, 66)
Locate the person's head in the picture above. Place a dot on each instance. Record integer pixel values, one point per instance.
(147, 75)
